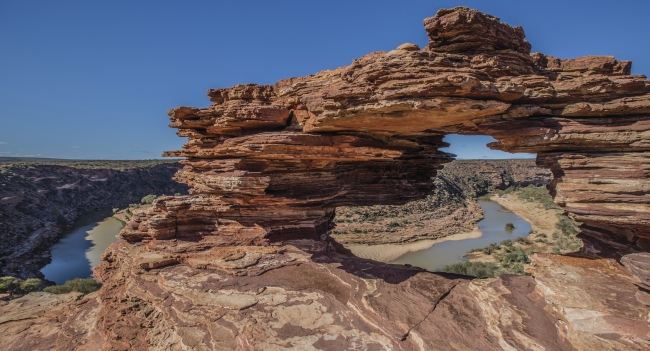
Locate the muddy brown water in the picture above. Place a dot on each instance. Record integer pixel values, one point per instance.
(449, 252)
(80, 248)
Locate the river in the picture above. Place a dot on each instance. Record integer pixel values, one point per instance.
(449, 252)
(80, 248)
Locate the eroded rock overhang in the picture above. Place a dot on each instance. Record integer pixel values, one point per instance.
(271, 162)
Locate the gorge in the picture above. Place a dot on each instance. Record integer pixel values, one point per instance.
(40, 200)
(246, 260)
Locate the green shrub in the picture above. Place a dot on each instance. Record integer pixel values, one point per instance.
(538, 194)
(84, 286)
(510, 227)
(148, 199)
(567, 226)
(476, 269)
(517, 255)
(15, 286)
(518, 268)
(523, 240)
(116, 210)
(9, 285)
(31, 284)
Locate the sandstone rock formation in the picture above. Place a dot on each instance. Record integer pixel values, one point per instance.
(267, 163)
(245, 261)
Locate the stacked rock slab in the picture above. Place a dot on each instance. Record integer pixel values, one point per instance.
(268, 163)
(245, 262)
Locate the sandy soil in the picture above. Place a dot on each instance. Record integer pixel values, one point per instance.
(479, 257)
(390, 252)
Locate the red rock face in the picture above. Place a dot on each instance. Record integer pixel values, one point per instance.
(245, 261)
(268, 163)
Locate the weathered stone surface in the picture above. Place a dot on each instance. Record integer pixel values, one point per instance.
(246, 262)
(464, 30)
(368, 134)
(303, 296)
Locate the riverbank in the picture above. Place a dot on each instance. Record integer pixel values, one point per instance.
(452, 209)
(541, 219)
(391, 252)
(552, 232)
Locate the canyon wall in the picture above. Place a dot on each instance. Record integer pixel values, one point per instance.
(39, 200)
(451, 209)
(245, 261)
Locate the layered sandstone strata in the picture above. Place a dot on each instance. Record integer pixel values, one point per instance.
(267, 163)
(245, 261)
(302, 296)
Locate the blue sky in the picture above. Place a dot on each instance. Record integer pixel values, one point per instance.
(93, 79)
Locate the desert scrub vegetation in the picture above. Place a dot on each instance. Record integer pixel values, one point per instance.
(147, 200)
(531, 193)
(15, 287)
(85, 164)
(84, 286)
(510, 259)
(512, 255)
(477, 269)
(563, 239)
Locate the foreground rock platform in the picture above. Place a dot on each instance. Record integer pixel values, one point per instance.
(302, 296)
(245, 262)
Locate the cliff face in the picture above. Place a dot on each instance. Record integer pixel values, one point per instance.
(245, 261)
(38, 201)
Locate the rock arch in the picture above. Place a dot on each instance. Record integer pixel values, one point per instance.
(269, 163)
(267, 166)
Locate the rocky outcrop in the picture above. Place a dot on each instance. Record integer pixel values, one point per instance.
(38, 201)
(246, 262)
(267, 163)
(302, 296)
